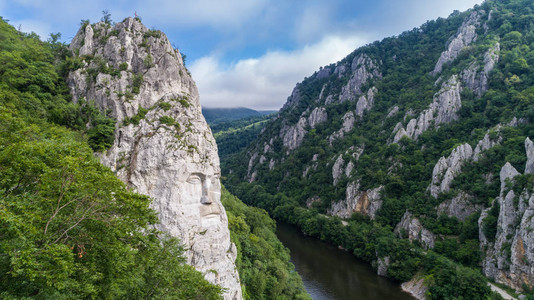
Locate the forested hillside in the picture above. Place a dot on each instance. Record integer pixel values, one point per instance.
(215, 116)
(234, 136)
(69, 229)
(413, 153)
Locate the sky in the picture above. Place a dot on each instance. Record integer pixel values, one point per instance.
(244, 53)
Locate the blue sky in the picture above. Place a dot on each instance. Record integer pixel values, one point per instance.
(247, 53)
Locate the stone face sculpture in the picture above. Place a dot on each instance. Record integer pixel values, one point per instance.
(168, 153)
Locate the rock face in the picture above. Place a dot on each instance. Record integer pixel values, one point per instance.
(509, 255)
(382, 266)
(448, 168)
(415, 231)
(364, 202)
(292, 136)
(163, 147)
(486, 143)
(363, 68)
(529, 146)
(348, 124)
(415, 287)
(477, 80)
(443, 109)
(463, 38)
(317, 116)
(459, 207)
(366, 102)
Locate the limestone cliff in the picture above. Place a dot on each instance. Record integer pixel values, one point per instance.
(163, 147)
(509, 254)
(411, 132)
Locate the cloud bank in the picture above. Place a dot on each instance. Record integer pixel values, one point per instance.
(264, 83)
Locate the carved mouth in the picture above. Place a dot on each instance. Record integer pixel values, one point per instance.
(210, 211)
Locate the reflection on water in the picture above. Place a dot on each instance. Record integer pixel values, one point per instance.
(330, 273)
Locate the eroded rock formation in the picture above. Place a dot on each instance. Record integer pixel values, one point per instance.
(163, 147)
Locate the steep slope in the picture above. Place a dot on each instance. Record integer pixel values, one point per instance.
(410, 133)
(216, 116)
(163, 147)
(69, 228)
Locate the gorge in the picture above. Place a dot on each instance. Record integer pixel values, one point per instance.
(408, 164)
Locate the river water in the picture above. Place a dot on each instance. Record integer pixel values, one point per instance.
(330, 273)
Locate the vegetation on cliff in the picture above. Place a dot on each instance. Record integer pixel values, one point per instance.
(262, 260)
(299, 185)
(69, 229)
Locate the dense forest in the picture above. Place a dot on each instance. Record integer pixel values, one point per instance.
(216, 116)
(69, 228)
(298, 185)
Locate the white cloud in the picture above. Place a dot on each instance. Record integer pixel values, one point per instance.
(267, 81)
(214, 13)
(313, 21)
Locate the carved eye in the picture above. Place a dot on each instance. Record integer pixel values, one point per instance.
(194, 179)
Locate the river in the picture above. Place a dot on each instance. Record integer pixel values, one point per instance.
(330, 273)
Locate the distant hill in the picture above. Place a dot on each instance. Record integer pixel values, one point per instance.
(221, 115)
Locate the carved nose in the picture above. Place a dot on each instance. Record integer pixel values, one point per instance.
(205, 199)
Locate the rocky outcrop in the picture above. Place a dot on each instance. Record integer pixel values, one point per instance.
(366, 102)
(163, 147)
(486, 143)
(348, 124)
(382, 266)
(459, 207)
(509, 256)
(292, 136)
(317, 116)
(477, 80)
(529, 147)
(464, 37)
(365, 202)
(416, 287)
(363, 68)
(443, 109)
(338, 169)
(410, 227)
(448, 168)
(393, 111)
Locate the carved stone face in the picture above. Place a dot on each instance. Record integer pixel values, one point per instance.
(201, 193)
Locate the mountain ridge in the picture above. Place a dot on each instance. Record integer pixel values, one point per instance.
(409, 133)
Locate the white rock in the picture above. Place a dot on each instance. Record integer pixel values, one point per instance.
(529, 147)
(415, 231)
(348, 125)
(317, 116)
(415, 287)
(478, 81)
(443, 109)
(393, 111)
(366, 102)
(464, 37)
(178, 167)
(364, 202)
(383, 265)
(448, 168)
(363, 68)
(292, 136)
(459, 207)
(337, 169)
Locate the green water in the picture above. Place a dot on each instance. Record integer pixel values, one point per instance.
(330, 273)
